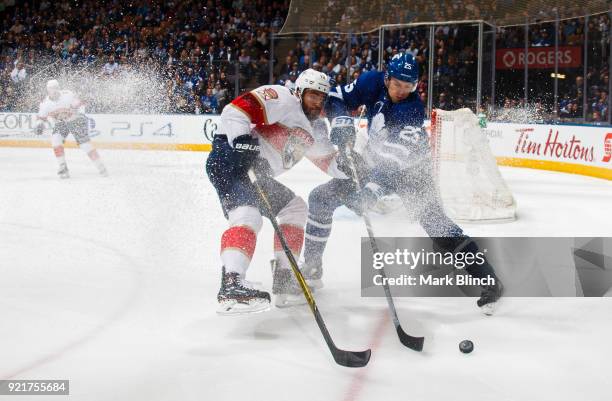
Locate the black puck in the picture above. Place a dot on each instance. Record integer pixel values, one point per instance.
(466, 346)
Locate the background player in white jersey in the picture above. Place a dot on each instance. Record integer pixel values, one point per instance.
(268, 130)
(66, 111)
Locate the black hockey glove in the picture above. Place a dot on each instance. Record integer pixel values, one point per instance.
(343, 132)
(246, 150)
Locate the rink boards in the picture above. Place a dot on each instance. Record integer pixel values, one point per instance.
(120, 131)
(576, 149)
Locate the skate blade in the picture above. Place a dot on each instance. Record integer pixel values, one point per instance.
(387, 204)
(288, 301)
(64, 176)
(233, 307)
(489, 309)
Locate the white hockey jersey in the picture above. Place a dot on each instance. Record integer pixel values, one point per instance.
(65, 108)
(273, 114)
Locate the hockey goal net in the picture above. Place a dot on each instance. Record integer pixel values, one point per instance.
(471, 186)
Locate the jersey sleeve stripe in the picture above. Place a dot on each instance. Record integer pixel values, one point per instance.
(250, 105)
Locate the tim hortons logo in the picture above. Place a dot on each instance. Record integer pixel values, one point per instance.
(607, 147)
(553, 147)
(268, 93)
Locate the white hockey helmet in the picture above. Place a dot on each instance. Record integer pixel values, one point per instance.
(53, 86)
(312, 79)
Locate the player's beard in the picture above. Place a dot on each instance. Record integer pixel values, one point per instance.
(312, 113)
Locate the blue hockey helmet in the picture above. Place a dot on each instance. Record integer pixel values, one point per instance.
(404, 67)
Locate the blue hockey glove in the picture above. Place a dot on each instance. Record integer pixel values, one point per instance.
(371, 193)
(342, 131)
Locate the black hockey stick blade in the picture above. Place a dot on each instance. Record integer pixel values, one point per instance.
(351, 359)
(412, 342)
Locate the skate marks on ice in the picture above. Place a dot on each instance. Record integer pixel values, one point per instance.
(294, 325)
(531, 349)
(51, 288)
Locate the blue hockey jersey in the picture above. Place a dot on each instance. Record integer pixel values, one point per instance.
(396, 140)
(370, 90)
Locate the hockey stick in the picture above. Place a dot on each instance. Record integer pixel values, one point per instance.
(415, 343)
(351, 359)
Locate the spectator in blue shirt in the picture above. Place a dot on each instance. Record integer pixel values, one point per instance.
(209, 102)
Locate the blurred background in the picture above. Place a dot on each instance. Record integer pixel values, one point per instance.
(195, 56)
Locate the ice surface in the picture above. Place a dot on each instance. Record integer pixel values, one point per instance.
(112, 282)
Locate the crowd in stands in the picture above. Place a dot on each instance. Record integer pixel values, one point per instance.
(455, 66)
(368, 15)
(206, 52)
(574, 91)
(202, 49)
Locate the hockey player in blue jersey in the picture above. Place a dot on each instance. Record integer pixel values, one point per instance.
(397, 159)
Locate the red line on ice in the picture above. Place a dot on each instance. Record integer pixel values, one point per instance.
(356, 386)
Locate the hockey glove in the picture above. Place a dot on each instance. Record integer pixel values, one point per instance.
(344, 163)
(371, 194)
(246, 150)
(342, 131)
(39, 129)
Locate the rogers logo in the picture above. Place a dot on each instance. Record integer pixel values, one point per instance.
(509, 59)
(607, 147)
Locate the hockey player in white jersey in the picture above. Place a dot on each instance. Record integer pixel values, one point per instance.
(66, 111)
(268, 130)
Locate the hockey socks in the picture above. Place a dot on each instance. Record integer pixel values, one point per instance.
(317, 234)
(237, 248)
(294, 236)
(94, 157)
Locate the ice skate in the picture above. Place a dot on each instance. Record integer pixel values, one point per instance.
(489, 297)
(313, 272)
(63, 171)
(387, 204)
(237, 297)
(285, 287)
(103, 171)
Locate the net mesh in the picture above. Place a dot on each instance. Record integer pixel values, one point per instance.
(470, 184)
(358, 16)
